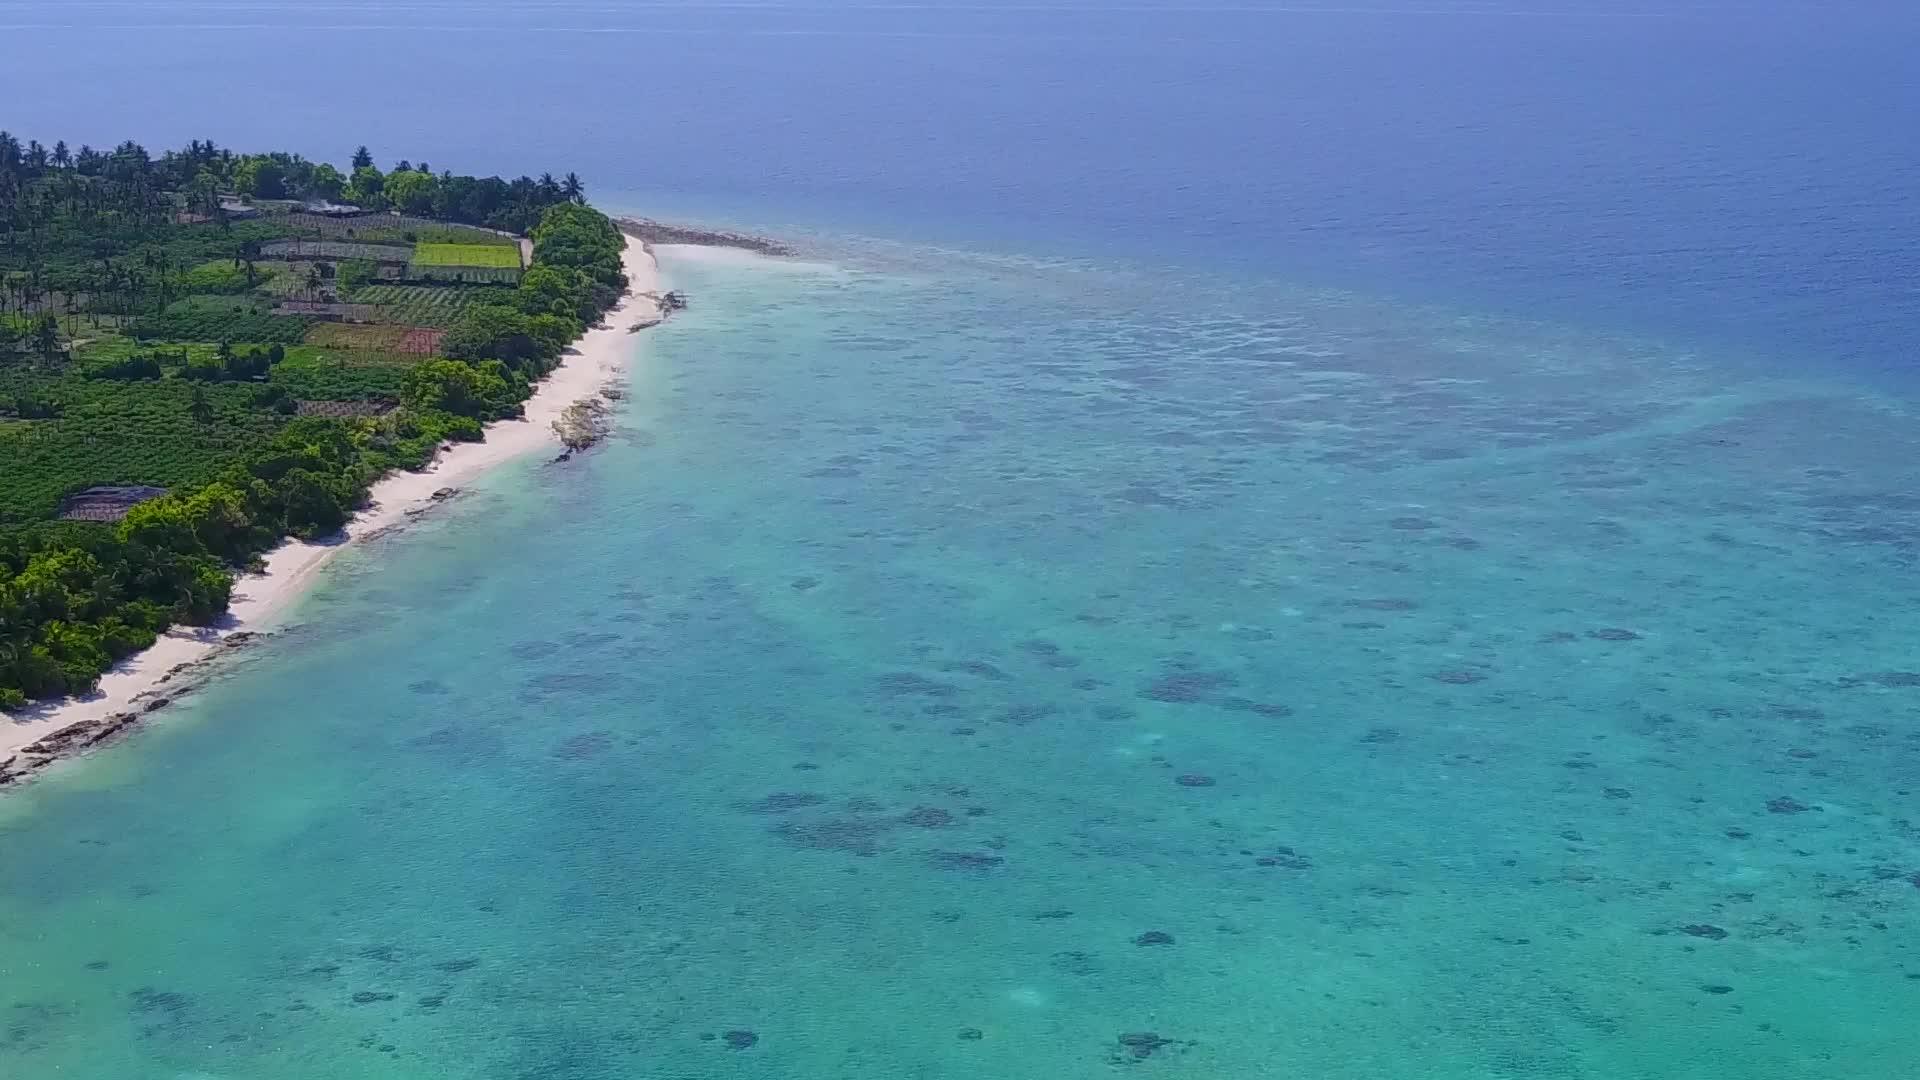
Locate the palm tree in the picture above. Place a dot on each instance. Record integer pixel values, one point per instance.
(46, 336)
(200, 408)
(62, 157)
(573, 189)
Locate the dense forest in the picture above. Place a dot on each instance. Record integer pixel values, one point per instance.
(227, 349)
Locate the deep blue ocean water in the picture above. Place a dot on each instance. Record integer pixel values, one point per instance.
(1338, 540)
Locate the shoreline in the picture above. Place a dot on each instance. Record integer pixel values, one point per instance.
(134, 687)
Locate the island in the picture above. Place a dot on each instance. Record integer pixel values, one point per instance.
(209, 357)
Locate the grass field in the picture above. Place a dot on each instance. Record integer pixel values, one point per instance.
(490, 256)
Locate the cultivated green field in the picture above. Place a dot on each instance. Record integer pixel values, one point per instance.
(428, 305)
(490, 256)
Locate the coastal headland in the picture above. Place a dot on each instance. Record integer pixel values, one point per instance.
(218, 370)
(182, 658)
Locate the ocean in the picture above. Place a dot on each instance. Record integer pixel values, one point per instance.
(1335, 540)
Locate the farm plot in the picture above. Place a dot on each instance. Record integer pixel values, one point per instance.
(338, 250)
(400, 340)
(427, 305)
(397, 228)
(209, 318)
(462, 275)
(489, 256)
(313, 374)
(354, 336)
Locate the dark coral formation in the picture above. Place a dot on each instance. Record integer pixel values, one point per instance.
(1458, 677)
(1186, 687)
(1153, 937)
(927, 817)
(907, 683)
(1136, 1046)
(852, 836)
(1194, 780)
(584, 746)
(975, 861)
(146, 999)
(1285, 858)
(739, 1039)
(1074, 962)
(1270, 710)
(1022, 715)
(1787, 804)
(782, 801)
(1384, 603)
(1613, 633)
(1704, 930)
(979, 669)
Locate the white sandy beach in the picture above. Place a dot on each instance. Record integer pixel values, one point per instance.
(258, 599)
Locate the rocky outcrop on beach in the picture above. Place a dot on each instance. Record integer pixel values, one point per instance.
(664, 304)
(649, 231)
(584, 423)
(77, 738)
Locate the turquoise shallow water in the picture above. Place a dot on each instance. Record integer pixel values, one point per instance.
(987, 668)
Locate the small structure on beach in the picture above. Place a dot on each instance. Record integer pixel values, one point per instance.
(106, 504)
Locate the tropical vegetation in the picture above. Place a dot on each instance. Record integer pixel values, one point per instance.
(229, 328)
